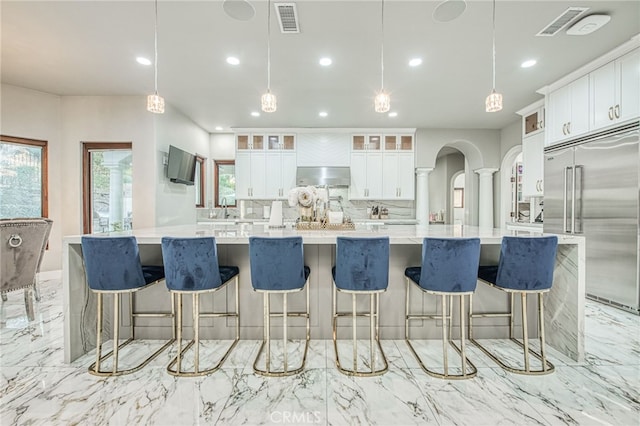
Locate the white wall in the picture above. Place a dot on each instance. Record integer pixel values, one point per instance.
(222, 146)
(31, 114)
(175, 203)
(108, 119)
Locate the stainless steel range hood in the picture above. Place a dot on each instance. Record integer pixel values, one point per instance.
(320, 176)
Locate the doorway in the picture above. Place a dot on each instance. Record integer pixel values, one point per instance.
(457, 199)
(107, 187)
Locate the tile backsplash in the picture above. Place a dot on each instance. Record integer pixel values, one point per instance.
(355, 209)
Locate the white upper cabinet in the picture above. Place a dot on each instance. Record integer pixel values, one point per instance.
(615, 91)
(398, 171)
(366, 143)
(533, 149)
(532, 165)
(249, 142)
(280, 174)
(568, 111)
(251, 170)
(284, 142)
(398, 143)
(366, 176)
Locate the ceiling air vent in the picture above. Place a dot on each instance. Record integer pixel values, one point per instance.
(287, 17)
(561, 21)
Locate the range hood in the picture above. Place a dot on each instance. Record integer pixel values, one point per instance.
(320, 176)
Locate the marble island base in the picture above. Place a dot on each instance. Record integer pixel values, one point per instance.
(564, 305)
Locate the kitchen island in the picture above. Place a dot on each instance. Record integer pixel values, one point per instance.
(564, 305)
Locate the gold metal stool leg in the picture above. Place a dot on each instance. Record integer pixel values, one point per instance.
(547, 367)
(374, 334)
(446, 331)
(266, 341)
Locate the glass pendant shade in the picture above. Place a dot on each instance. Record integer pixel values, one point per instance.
(269, 102)
(494, 102)
(155, 103)
(382, 102)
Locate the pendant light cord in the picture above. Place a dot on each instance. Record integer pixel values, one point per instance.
(155, 62)
(269, 47)
(493, 36)
(382, 49)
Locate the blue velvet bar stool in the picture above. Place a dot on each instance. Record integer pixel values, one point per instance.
(192, 268)
(112, 266)
(362, 268)
(277, 267)
(449, 268)
(525, 267)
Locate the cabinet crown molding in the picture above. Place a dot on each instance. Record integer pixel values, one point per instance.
(612, 55)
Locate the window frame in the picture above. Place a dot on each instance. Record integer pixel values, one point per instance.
(201, 161)
(86, 176)
(44, 169)
(216, 177)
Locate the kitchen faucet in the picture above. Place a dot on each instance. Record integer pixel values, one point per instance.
(223, 204)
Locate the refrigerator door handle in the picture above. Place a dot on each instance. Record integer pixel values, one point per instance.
(565, 228)
(577, 180)
(573, 200)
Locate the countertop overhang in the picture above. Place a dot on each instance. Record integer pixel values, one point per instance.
(239, 233)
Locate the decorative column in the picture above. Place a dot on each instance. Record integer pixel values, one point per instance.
(485, 197)
(422, 195)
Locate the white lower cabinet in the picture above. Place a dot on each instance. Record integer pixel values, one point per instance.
(532, 165)
(250, 175)
(398, 176)
(366, 176)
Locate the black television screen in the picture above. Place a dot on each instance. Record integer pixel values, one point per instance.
(181, 167)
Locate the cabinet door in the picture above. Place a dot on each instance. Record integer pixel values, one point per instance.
(579, 122)
(374, 175)
(558, 114)
(242, 142)
(273, 178)
(289, 165)
(629, 86)
(532, 165)
(358, 175)
(602, 83)
(390, 176)
(243, 175)
(406, 176)
(258, 173)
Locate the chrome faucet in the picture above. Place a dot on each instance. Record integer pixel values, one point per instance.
(223, 204)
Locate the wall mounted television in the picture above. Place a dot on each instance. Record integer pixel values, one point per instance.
(181, 166)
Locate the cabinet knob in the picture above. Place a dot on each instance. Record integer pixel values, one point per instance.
(616, 111)
(564, 129)
(610, 113)
(569, 128)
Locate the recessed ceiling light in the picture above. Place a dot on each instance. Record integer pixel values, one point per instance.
(393, 114)
(143, 61)
(218, 128)
(415, 62)
(231, 60)
(255, 114)
(323, 114)
(325, 62)
(528, 63)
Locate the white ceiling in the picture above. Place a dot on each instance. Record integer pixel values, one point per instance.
(89, 48)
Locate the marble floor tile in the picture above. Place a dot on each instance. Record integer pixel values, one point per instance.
(38, 388)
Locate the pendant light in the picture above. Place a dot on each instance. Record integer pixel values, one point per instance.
(155, 102)
(269, 101)
(382, 101)
(494, 100)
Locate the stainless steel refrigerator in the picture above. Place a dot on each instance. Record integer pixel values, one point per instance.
(591, 188)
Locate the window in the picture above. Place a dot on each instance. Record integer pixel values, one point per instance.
(107, 187)
(225, 182)
(23, 177)
(458, 198)
(199, 181)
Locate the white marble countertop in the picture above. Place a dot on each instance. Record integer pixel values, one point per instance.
(239, 233)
